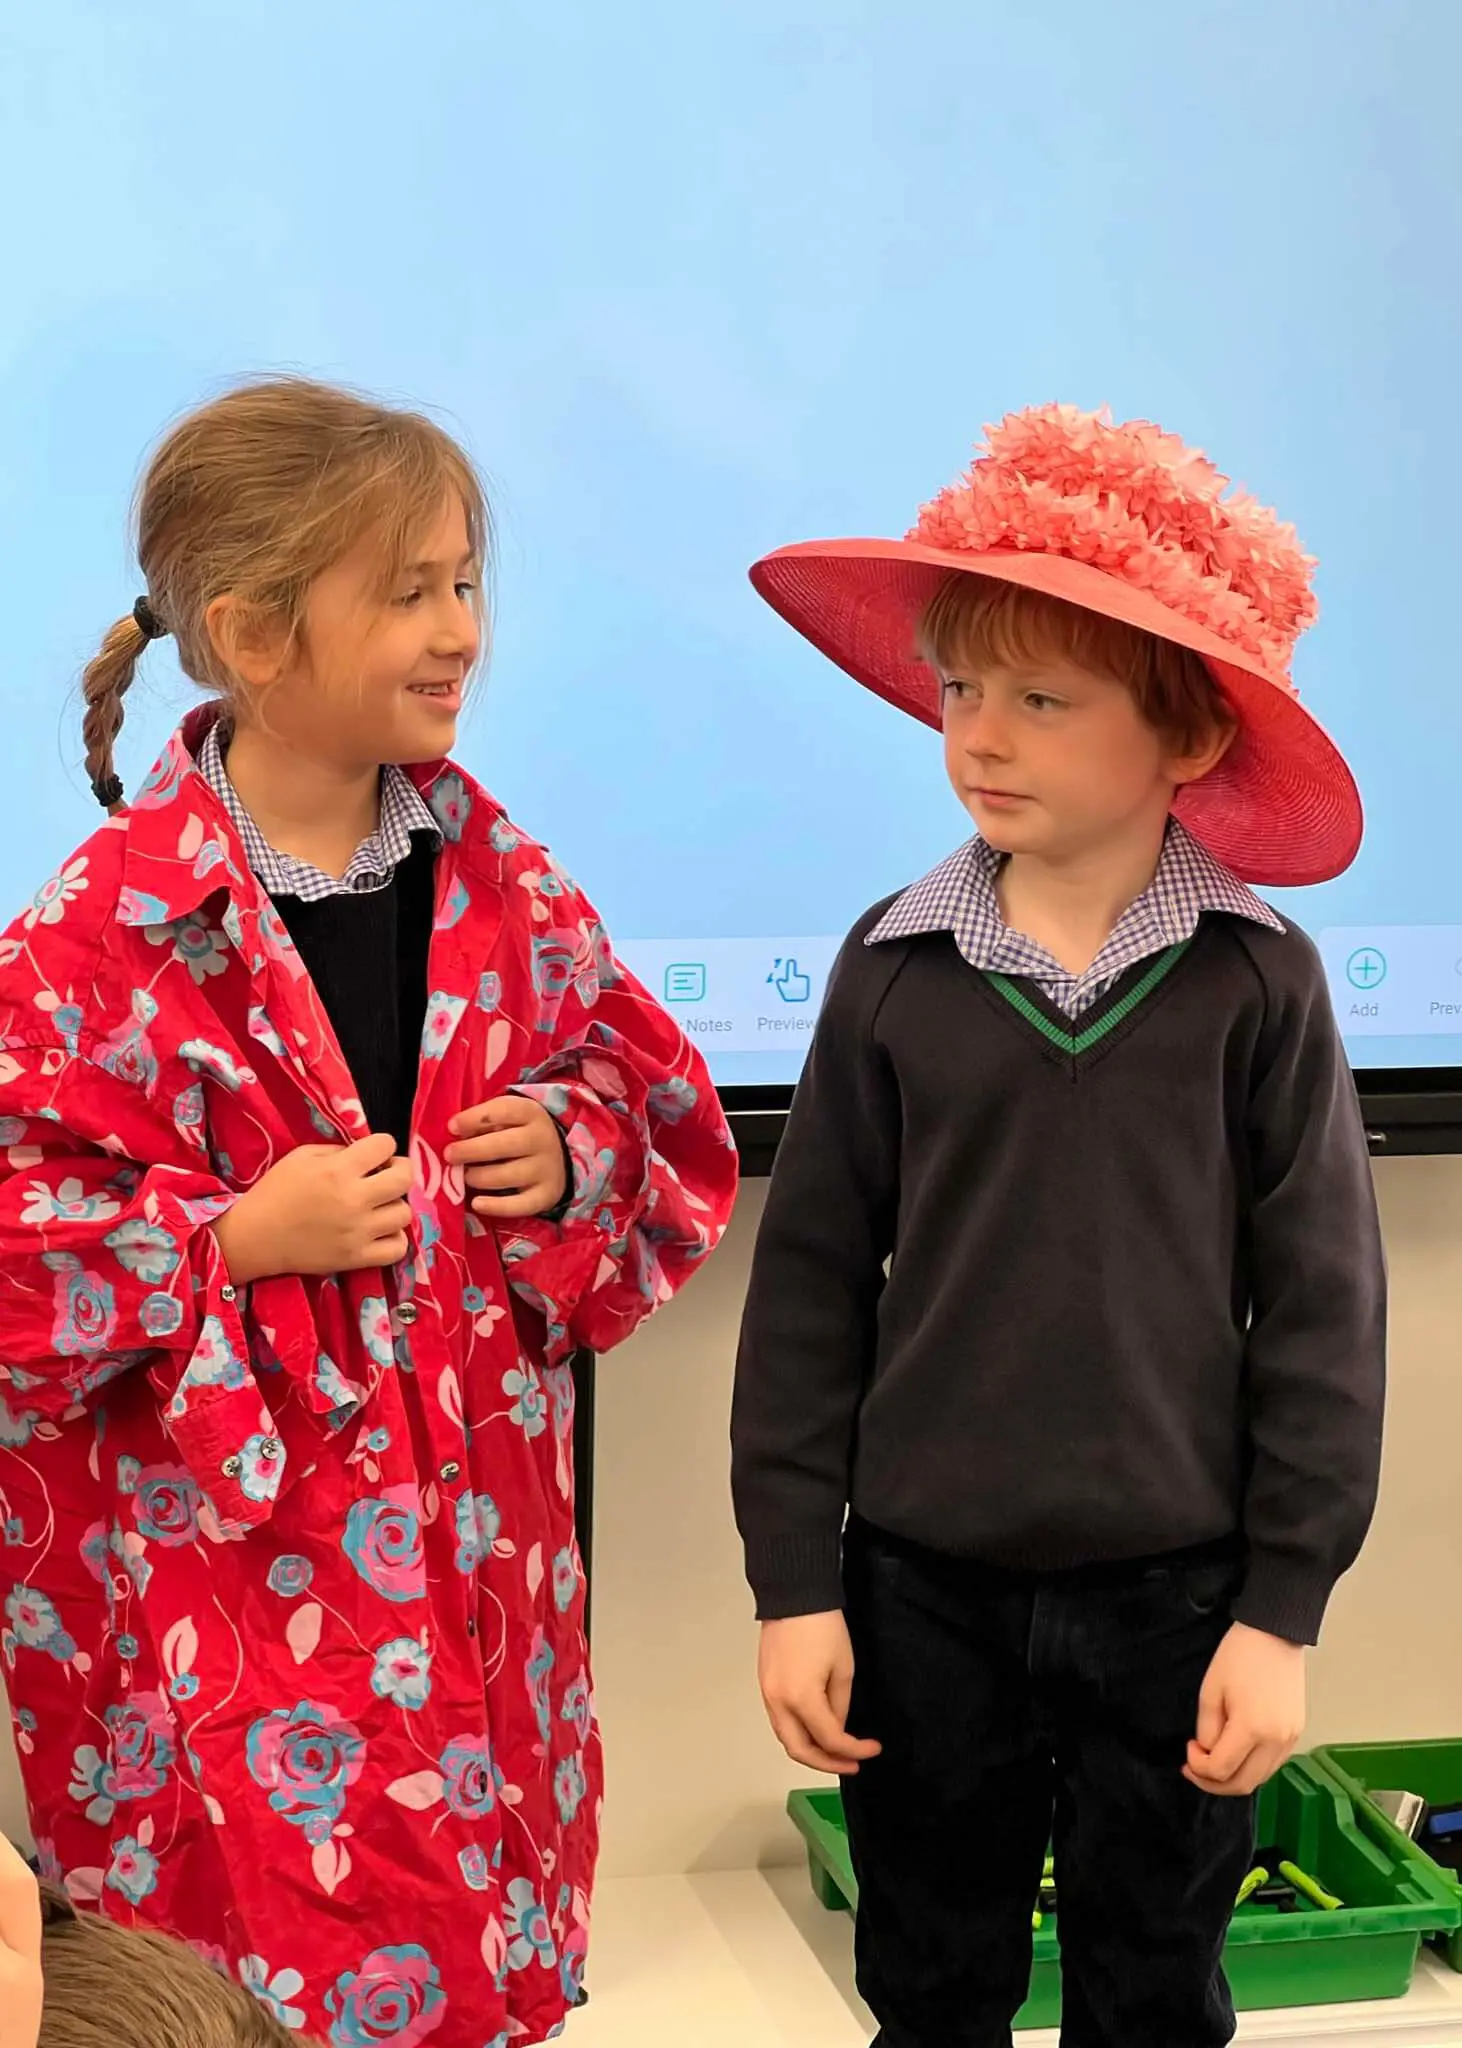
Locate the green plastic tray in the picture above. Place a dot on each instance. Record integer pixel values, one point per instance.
(1433, 1770)
(1367, 1950)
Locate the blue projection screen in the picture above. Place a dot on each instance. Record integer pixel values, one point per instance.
(696, 280)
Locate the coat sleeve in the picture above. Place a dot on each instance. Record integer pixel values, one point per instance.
(1317, 1333)
(653, 1162)
(109, 1264)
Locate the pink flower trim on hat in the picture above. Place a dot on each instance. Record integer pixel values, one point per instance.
(1139, 504)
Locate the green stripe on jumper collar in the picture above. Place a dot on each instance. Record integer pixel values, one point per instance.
(1078, 1042)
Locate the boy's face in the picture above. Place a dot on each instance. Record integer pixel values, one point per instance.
(1057, 762)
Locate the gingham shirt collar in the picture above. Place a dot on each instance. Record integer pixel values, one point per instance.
(403, 811)
(959, 897)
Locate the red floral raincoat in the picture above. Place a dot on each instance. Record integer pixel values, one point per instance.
(290, 1603)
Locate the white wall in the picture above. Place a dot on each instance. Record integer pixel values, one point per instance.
(696, 1781)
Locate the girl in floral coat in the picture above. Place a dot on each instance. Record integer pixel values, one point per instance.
(330, 1128)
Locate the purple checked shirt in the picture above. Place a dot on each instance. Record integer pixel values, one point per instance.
(959, 897)
(403, 811)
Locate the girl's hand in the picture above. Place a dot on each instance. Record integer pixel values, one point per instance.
(1251, 1714)
(514, 1156)
(323, 1209)
(20, 1952)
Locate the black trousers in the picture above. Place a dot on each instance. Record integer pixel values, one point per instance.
(1013, 1715)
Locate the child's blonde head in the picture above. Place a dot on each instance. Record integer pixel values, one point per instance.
(974, 624)
(256, 495)
(109, 1987)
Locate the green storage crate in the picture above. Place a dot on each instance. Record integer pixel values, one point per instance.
(1433, 1770)
(1367, 1950)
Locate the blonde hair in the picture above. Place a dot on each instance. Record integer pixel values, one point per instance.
(257, 494)
(974, 623)
(110, 1987)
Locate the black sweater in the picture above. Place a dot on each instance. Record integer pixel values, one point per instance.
(367, 956)
(1134, 1298)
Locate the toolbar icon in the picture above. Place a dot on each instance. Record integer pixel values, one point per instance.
(685, 982)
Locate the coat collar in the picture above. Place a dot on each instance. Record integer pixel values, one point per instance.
(183, 848)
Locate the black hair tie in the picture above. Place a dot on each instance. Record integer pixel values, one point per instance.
(107, 789)
(149, 625)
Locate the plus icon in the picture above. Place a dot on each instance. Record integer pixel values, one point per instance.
(1366, 968)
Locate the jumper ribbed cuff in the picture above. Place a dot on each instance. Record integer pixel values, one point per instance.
(1284, 1597)
(795, 1575)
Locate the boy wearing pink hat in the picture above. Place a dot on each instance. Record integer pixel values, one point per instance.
(1058, 1406)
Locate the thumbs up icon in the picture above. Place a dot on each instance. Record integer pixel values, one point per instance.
(790, 983)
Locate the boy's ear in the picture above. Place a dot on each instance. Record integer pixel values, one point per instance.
(1196, 762)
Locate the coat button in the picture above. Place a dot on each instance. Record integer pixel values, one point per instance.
(231, 1467)
(229, 1293)
(472, 1624)
(407, 1313)
(271, 1447)
(451, 1470)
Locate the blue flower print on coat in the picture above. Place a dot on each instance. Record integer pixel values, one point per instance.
(141, 1752)
(206, 1059)
(50, 902)
(306, 1761)
(530, 1938)
(274, 1990)
(128, 1052)
(289, 1576)
(133, 1871)
(375, 1330)
(161, 1316)
(565, 1580)
(92, 1782)
(214, 1363)
(578, 1709)
(539, 1669)
(451, 805)
(553, 961)
(607, 968)
(165, 1505)
(383, 1541)
(144, 1249)
(36, 1625)
(529, 1410)
(672, 1100)
(264, 1031)
(475, 1869)
(16, 1430)
(403, 1674)
(502, 838)
(261, 1467)
(443, 1014)
(570, 1788)
(85, 1308)
(143, 1745)
(458, 903)
(342, 1394)
(479, 1524)
(490, 991)
(471, 1780)
(394, 1998)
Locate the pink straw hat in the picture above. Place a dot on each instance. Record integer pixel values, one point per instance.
(1128, 522)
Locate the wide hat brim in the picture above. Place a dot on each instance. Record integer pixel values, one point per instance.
(1280, 809)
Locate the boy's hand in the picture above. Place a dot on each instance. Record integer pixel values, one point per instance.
(20, 1951)
(323, 1209)
(806, 1673)
(514, 1157)
(1251, 1714)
